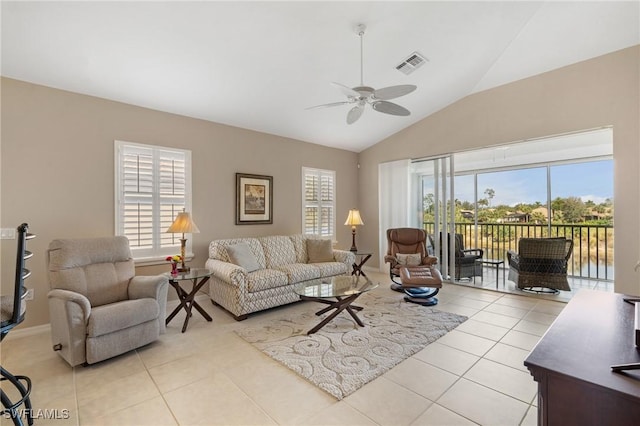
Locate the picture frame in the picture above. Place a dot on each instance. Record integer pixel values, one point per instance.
(254, 199)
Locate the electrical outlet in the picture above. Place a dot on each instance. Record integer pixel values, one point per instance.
(30, 294)
(8, 234)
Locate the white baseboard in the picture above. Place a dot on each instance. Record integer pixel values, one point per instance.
(29, 331)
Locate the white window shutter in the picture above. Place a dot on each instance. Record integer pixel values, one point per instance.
(318, 202)
(152, 187)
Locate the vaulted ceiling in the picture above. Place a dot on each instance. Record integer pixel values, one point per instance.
(259, 65)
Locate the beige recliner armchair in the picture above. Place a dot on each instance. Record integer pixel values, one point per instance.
(97, 306)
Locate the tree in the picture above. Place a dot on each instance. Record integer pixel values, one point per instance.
(427, 203)
(538, 217)
(574, 210)
(490, 193)
(557, 204)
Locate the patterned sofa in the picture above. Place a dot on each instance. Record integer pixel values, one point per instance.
(282, 262)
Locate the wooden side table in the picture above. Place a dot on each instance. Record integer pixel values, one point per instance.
(361, 259)
(199, 277)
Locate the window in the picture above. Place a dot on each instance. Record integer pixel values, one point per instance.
(318, 202)
(153, 184)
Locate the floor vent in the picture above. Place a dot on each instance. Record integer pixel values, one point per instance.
(412, 63)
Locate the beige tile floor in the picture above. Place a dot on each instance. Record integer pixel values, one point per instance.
(209, 376)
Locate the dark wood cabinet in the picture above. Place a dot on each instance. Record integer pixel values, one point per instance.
(572, 364)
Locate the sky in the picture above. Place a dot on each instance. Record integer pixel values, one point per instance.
(588, 181)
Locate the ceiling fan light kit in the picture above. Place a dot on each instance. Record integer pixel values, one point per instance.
(363, 95)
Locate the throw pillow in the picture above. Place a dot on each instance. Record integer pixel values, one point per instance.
(319, 251)
(240, 254)
(409, 259)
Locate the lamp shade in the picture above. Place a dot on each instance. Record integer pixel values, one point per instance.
(183, 224)
(354, 218)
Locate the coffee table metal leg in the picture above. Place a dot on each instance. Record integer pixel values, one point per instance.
(339, 306)
(354, 316)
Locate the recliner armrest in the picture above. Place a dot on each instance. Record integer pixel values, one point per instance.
(429, 260)
(390, 259)
(69, 313)
(154, 287)
(78, 299)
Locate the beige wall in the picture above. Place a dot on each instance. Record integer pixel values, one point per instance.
(58, 169)
(58, 173)
(599, 92)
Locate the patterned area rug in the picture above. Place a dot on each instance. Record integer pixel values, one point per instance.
(342, 357)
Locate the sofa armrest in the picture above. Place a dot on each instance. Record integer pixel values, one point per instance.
(227, 272)
(69, 313)
(154, 287)
(344, 256)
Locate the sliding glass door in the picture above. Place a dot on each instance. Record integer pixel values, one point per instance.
(437, 211)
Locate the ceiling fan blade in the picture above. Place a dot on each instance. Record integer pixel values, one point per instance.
(355, 113)
(332, 104)
(393, 92)
(390, 108)
(346, 90)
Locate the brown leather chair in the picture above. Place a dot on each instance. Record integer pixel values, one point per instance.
(402, 243)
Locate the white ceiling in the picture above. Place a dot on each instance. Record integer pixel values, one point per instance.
(258, 65)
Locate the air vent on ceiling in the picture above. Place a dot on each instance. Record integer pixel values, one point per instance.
(412, 63)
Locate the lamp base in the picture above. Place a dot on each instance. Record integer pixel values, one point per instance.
(353, 239)
(183, 243)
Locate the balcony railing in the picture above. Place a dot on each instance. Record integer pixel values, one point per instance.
(592, 256)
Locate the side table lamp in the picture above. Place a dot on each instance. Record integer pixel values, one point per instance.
(354, 220)
(183, 224)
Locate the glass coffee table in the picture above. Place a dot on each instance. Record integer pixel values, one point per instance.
(344, 289)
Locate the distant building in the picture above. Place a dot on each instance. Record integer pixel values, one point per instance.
(467, 214)
(543, 211)
(517, 217)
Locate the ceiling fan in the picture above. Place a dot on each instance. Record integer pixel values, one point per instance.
(363, 95)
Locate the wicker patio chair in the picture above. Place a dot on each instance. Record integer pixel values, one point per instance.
(541, 264)
(466, 265)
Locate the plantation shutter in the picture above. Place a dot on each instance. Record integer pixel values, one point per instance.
(152, 188)
(319, 202)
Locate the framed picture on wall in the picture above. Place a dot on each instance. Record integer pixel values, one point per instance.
(254, 199)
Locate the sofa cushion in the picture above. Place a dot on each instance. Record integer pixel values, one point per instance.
(328, 269)
(278, 251)
(300, 246)
(298, 272)
(218, 249)
(240, 254)
(264, 279)
(319, 251)
(117, 316)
